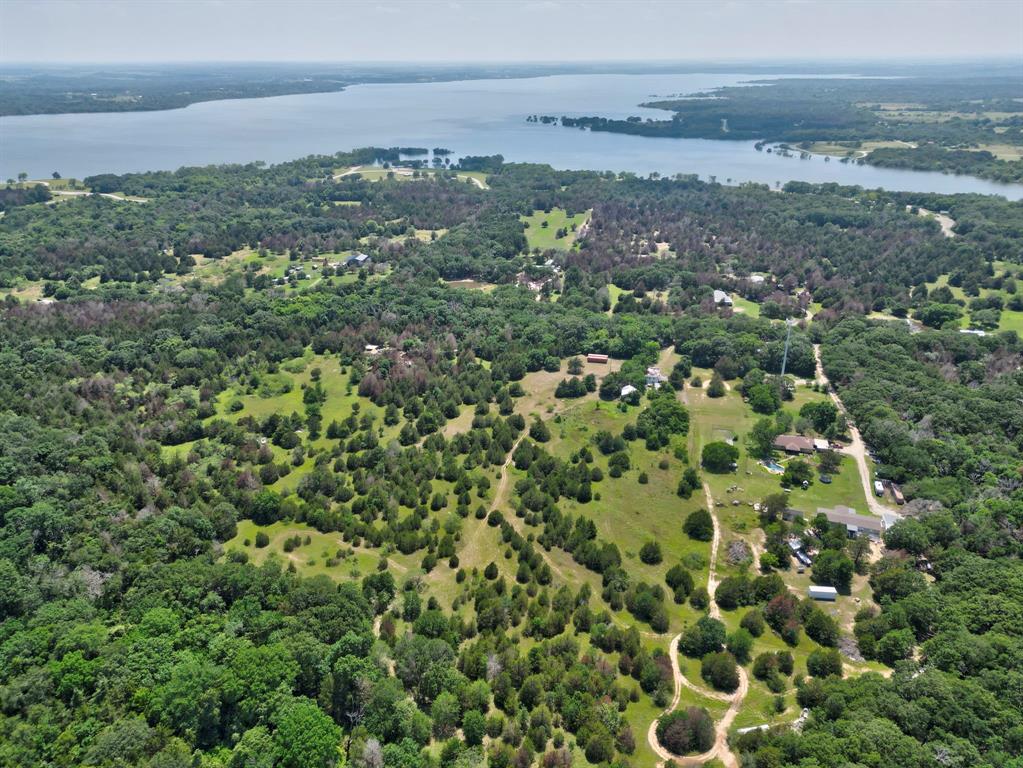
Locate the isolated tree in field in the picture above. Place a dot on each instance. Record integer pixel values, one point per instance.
(753, 622)
(716, 388)
(720, 670)
(821, 628)
(772, 508)
(650, 553)
(739, 644)
(680, 581)
(539, 431)
(707, 635)
(719, 456)
(685, 731)
(760, 439)
(796, 473)
(828, 462)
(699, 525)
(689, 482)
(699, 598)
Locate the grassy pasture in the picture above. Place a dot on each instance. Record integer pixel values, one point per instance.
(1010, 320)
(745, 306)
(543, 237)
(309, 559)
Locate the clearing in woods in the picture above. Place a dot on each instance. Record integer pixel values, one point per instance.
(542, 228)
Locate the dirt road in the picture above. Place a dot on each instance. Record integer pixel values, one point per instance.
(856, 448)
(720, 750)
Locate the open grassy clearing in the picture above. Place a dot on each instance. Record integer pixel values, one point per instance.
(542, 228)
(614, 293)
(1010, 320)
(628, 512)
(745, 306)
(281, 392)
(309, 559)
(624, 510)
(711, 416)
(428, 235)
(24, 290)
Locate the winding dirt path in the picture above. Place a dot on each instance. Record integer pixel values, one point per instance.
(720, 749)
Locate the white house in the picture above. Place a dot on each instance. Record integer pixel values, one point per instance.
(722, 299)
(654, 377)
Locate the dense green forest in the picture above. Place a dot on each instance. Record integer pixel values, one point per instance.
(259, 507)
(954, 124)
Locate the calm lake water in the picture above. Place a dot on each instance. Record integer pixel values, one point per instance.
(469, 117)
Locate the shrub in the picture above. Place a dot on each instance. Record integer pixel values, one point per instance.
(821, 627)
(262, 540)
(824, 662)
(739, 644)
(753, 622)
(650, 553)
(699, 525)
(680, 580)
(699, 598)
(716, 388)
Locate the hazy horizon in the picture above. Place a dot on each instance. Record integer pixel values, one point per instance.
(533, 31)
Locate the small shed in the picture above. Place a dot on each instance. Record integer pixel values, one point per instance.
(596, 357)
(721, 298)
(822, 593)
(627, 390)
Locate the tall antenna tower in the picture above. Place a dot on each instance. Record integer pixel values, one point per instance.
(788, 337)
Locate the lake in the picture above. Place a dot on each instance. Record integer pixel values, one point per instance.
(474, 117)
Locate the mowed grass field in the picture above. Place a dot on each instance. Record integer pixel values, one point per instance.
(543, 237)
(712, 417)
(745, 306)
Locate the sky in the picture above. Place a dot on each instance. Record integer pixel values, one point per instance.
(62, 31)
